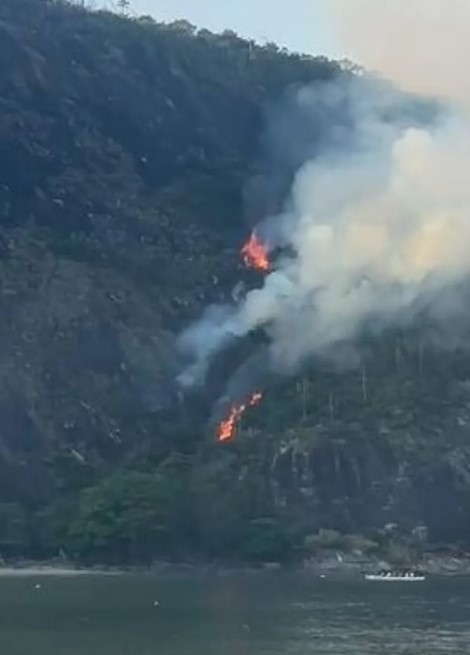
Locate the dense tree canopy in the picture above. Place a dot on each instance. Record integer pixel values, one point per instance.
(133, 159)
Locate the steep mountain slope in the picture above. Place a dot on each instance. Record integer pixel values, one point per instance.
(133, 160)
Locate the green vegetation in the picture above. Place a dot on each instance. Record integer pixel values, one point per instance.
(126, 150)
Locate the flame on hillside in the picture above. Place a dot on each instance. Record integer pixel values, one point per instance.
(227, 427)
(255, 254)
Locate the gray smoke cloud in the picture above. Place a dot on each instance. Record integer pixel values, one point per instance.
(422, 45)
(377, 226)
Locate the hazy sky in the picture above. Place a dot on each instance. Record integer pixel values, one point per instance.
(300, 25)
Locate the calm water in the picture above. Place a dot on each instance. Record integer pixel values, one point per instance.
(232, 614)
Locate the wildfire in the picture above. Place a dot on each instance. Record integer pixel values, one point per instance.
(227, 427)
(255, 254)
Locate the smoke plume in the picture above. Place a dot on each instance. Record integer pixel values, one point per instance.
(422, 45)
(377, 225)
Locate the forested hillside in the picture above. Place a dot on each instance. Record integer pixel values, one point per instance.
(134, 159)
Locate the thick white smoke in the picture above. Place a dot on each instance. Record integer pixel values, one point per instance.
(372, 237)
(375, 228)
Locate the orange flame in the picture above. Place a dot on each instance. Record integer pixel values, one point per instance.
(227, 427)
(255, 254)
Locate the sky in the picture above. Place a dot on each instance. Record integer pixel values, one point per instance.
(300, 25)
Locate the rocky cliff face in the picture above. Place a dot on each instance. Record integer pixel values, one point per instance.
(383, 444)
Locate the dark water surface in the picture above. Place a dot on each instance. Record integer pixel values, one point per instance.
(231, 614)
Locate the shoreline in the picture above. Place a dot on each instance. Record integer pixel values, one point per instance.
(338, 565)
(443, 565)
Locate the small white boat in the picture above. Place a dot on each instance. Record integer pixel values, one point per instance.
(390, 576)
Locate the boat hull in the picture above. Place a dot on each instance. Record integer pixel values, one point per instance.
(394, 578)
